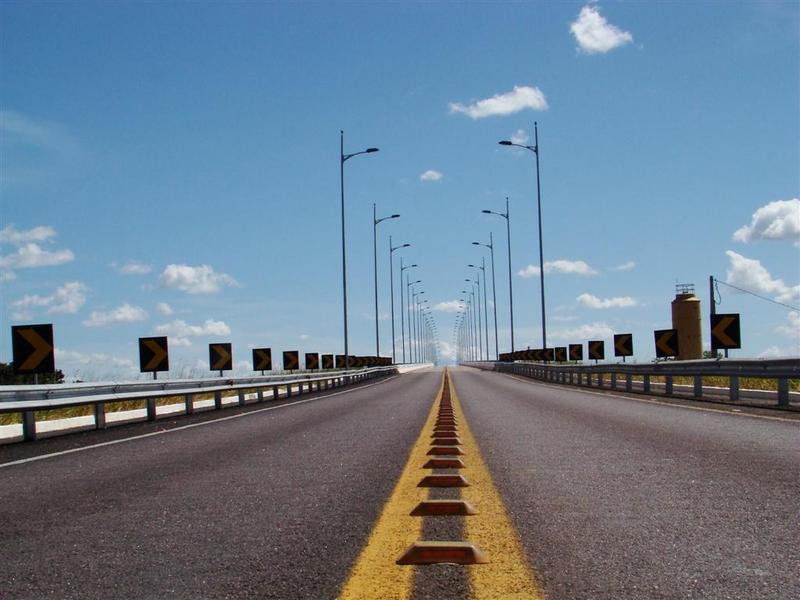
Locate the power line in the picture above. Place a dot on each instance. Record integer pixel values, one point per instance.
(789, 306)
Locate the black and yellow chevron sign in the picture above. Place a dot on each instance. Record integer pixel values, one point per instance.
(262, 359)
(291, 360)
(220, 357)
(576, 351)
(340, 361)
(623, 344)
(153, 354)
(33, 349)
(597, 350)
(312, 361)
(327, 361)
(725, 332)
(666, 342)
(561, 354)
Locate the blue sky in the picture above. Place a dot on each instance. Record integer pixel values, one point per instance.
(173, 168)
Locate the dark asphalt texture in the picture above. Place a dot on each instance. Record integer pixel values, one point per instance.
(618, 499)
(275, 504)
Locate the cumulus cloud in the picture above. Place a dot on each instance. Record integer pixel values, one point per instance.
(568, 267)
(430, 175)
(67, 299)
(81, 358)
(195, 280)
(133, 267)
(451, 306)
(180, 331)
(520, 137)
(520, 98)
(11, 235)
(791, 328)
(447, 351)
(750, 274)
(164, 309)
(778, 220)
(627, 266)
(588, 331)
(591, 301)
(32, 255)
(122, 314)
(596, 35)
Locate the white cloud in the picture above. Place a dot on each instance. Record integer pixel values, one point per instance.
(122, 314)
(430, 175)
(591, 301)
(31, 255)
(7, 276)
(451, 306)
(520, 137)
(589, 331)
(180, 331)
(67, 299)
(195, 280)
(305, 336)
(569, 267)
(750, 275)
(133, 267)
(447, 351)
(11, 235)
(778, 220)
(627, 266)
(596, 35)
(164, 309)
(792, 328)
(520, 98)
(778, 352)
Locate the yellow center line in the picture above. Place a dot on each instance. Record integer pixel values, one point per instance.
(508, 576)
(375, 574)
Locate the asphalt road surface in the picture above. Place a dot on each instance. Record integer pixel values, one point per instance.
(611, 497)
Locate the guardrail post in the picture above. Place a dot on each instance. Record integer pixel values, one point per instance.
(646, 385)
(698, 386)
(99, 415)
(242, 399)
(600, 377)
(289, 389)
(628, 382)
(274, 392)
(733, 387)
(218, 399)
(783, 392)
(188, 401)
(29, 426)
(260, 395)
(613, 381)
(151, 409)
(668, 385)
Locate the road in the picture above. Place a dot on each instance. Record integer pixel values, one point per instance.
(610, 497)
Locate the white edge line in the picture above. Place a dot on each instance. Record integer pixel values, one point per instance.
(646, 401)
(190, 426)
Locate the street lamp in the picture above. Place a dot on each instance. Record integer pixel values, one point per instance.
(402, 310)
(478, 304)
(507, 216)
(482, 267)
(391, 290)
(342, 159)
(470, 302)
(535, 150)
(408, 310)
(375, 222)
(490, 245)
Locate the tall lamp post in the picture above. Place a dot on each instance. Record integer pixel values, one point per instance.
(507, 216)
(343, 158)
(482, 267)
(402, 310)
(375, 222)
(535, 150)
(477, 282)
(490, 245)
(391, 290)
(408, 310)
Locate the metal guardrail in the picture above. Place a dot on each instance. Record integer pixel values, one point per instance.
(29, 399)
(639, 377)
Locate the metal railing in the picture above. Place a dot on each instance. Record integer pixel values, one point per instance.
(640, 377)
(29, 399)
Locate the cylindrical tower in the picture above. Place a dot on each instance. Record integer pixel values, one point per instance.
(686, 319)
